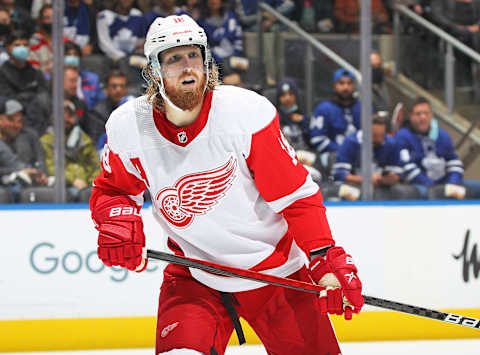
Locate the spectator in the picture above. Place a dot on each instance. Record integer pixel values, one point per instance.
(247, 13)
(116, 90)
(223, 30)
(77, 25)
(162, 8)
(121, 32)
(459, 17)
(192, 8)
(335, 119)
(20, 17)
(23, 141)
(5, 30)
(232, 75)
(347, 16)
(314, 15)
(38, 112)
(16, 174)
(421, 7)
(293, 121)
(294, 125)
(41, 51)
(89, 88)
(381, 97)
(36, 6)
(387, 167)
(88, 122)
(431, 163)
(19, 78)
(40, 109)
(81, 159)
(462, 19)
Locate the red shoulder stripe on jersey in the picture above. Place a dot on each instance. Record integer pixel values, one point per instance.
(276, 170)
(308, 224)
(114, 179)
(138, 165)
(182, 136)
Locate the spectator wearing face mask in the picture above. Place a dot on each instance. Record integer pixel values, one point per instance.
(89, 88)
(381, 98)
(294, 126)
(20, 17)
(5, 30)
(19, 78)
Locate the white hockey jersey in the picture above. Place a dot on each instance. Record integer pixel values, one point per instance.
(227, 189)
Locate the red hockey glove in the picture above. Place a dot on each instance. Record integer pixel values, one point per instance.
(121, 240)
(343, 289)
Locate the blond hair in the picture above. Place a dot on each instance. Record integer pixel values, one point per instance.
(153, 92)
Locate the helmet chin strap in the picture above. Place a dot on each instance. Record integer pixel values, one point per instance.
(161, 89)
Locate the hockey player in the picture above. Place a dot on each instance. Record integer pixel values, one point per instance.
(227, 188)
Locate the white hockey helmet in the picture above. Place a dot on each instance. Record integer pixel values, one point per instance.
(174, 31)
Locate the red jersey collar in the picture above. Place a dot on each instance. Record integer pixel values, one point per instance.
(182, 136)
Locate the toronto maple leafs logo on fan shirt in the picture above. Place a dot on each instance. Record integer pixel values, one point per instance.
(195, 194)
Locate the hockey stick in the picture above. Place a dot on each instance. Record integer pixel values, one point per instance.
(312, 288)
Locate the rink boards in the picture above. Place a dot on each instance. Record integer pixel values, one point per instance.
(56, 294)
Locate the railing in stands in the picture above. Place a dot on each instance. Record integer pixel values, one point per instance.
(365, 85)
(312, 43)
(449, 73)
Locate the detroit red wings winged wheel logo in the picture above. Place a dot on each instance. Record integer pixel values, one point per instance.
(195, 194)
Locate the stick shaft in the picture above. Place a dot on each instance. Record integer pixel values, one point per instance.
(224, 270)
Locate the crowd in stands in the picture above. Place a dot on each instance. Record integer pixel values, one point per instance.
(415, 161)
(103, 44)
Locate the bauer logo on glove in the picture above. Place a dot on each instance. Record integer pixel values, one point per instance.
(343, 289)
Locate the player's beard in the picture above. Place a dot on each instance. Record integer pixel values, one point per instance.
(187, 99)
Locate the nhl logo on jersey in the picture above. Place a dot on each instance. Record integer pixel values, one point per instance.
(182, 137)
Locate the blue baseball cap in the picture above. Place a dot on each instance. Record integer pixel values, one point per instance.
(340, 73)
(287, 85)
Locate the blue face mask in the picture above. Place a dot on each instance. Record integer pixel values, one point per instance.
(72, 61)
(20, 53)
(291, 109)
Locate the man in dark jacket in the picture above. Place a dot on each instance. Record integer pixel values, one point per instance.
(19, 78)
(462, 19)
(23, 141)
(459, 17)
(294, 126)
(116, 89)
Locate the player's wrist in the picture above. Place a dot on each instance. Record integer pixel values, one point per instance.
(319, 252)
